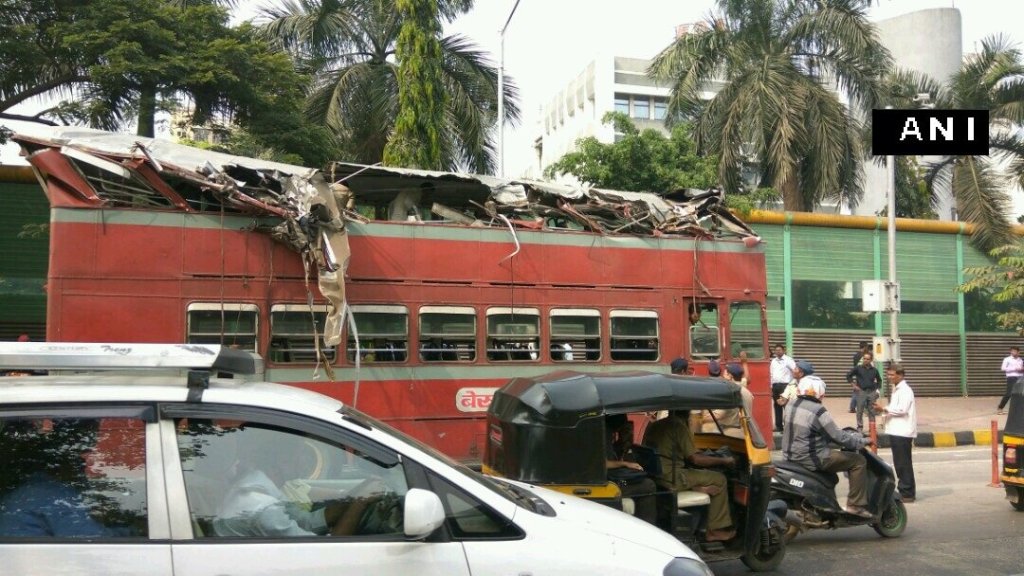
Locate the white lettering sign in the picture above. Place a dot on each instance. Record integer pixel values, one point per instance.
(474, 399)
(910, 129)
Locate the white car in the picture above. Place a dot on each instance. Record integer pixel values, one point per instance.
(176, 468)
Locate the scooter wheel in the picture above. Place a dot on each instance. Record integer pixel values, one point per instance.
(894, 520)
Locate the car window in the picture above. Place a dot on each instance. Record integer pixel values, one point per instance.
(251, 480)
(72, 478)
(467, 517)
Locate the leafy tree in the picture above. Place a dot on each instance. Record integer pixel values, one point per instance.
(416, 140)
(349, 46)
(639, 160)
(913, 200)
(775, 59)
(34, 61)
(1003, 282)
(120, 61)
(993, 80)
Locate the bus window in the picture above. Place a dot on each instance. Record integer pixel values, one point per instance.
(704, 340)
(745, 329)
(513, 334)
(383, 333)
(575, 335)
(447, 334)
(634, 335)
(226, 324)
(294, 329)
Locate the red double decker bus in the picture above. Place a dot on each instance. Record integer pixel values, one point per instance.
(442, 312)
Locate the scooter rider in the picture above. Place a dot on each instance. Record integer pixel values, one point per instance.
(810, 428)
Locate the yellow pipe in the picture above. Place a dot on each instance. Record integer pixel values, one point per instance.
(862, 222)
(20, 174)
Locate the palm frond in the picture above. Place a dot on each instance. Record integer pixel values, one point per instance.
(981, 199)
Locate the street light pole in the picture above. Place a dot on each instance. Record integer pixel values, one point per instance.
(501, 92)
(894, 314)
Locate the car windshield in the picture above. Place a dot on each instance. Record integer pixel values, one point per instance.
(512, 493)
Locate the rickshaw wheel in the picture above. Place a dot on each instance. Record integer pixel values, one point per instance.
(765, 561)
(894, 520)
(1019, 504)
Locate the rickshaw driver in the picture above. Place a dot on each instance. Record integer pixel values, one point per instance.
(672, 439)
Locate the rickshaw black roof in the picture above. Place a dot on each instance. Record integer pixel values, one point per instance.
(565, 397)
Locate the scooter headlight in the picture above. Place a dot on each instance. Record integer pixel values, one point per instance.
(687, 567)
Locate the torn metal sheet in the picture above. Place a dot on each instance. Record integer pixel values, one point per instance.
(126, 170)
(698, 213)
(103, 169)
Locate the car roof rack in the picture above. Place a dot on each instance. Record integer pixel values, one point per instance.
(102, 356)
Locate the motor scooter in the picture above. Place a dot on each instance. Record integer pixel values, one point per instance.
(810, 496)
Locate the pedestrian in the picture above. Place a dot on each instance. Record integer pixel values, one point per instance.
(901, 426)
(680, 366)
(866, 383)
(862, 348)
(781, 373)
(1013, 367)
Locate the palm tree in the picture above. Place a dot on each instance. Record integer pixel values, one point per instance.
(349, 45)
(993, 80)
(780, 62)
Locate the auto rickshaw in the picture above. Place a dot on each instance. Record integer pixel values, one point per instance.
(550, 431)
(1013, 448)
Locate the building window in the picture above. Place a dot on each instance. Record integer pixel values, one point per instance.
(641, 108)
(294, 331)
(234, 325)
(575, 335)
(622, 103)
(383, 333)
(447, 334)
(634, 335)
(513, 334)
(660, 109)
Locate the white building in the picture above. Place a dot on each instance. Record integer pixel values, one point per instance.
(928, 41)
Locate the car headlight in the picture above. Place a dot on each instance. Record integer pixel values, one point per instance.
(687, 567)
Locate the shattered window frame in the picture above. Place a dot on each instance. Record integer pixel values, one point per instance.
(706, 333)
(513, 341)
(453, 343)
(629, 344)
(380, 344)
(294, 330)
(584, 342)
(232, 322)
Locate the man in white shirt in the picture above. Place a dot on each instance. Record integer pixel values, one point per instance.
(901, 426)
(1013, 367)
(781, 373)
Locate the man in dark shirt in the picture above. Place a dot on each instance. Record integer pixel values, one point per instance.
(866, 382)
(863, 347)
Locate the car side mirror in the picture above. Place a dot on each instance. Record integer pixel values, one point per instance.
(423, 513)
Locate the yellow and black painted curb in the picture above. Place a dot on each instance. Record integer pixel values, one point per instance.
(935, 439)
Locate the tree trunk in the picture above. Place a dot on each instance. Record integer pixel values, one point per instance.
(792, 199)
(147, 111)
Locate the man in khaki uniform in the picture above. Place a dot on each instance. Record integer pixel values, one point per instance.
(672, 438)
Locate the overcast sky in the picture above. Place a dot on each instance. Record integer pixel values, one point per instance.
(549, 42)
